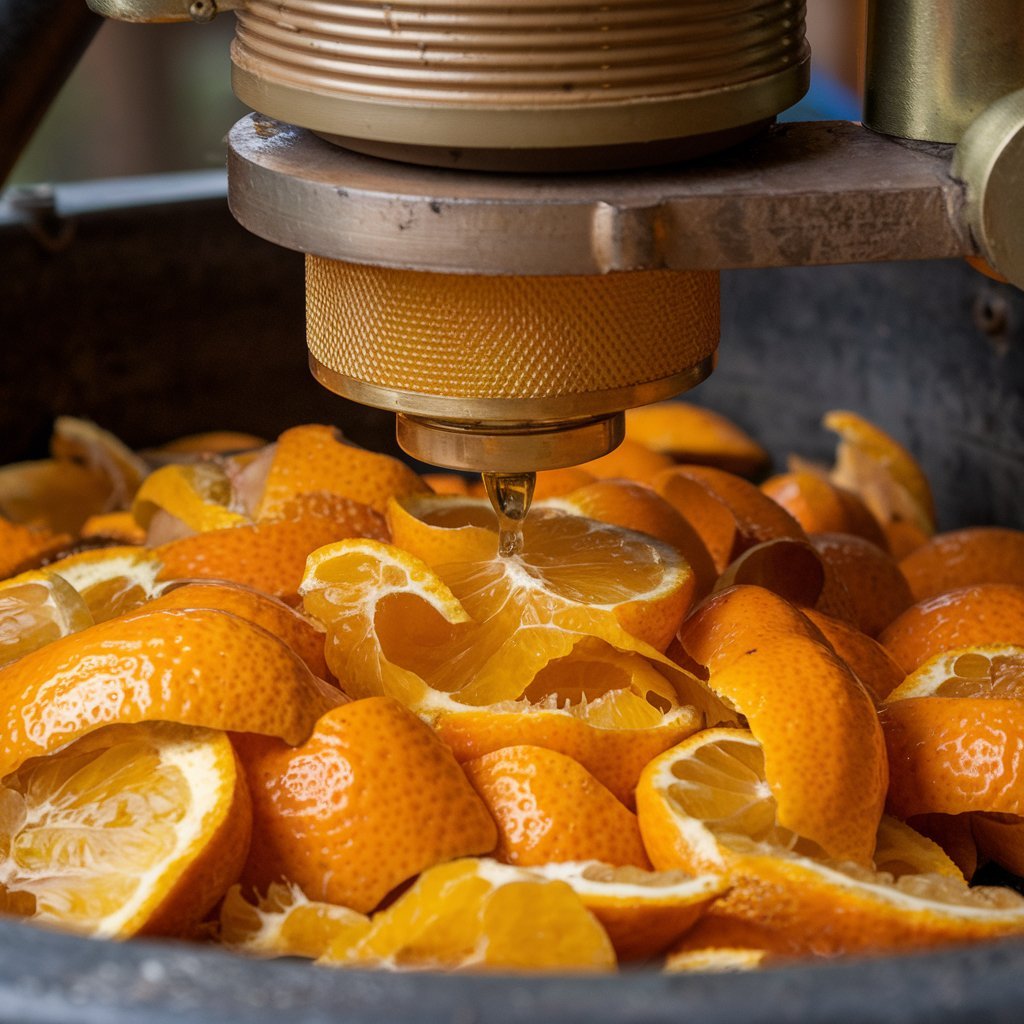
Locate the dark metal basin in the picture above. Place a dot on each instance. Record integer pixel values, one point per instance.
(150, 311)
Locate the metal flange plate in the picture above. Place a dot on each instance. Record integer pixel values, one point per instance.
(800, 194)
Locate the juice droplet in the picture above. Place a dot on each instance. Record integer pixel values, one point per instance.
(511, 495)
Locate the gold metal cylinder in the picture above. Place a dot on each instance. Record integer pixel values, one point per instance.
(491, 370)
(484, 75)
(934, 65)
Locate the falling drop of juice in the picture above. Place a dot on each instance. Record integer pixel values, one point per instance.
(511, 495)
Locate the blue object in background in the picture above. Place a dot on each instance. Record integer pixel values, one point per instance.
(826, 100)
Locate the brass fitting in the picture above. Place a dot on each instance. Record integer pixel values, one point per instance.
(933, 67)
(508, 373)
(990, 161)
(538, 84)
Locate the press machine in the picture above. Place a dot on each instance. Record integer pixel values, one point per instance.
(514, 214)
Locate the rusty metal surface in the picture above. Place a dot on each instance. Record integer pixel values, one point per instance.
(823, 193)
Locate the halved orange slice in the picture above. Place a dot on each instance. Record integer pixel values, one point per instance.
(131, 829)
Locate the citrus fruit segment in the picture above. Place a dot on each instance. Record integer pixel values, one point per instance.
(980, 554)
(277, 618)
(205, 668)
(286, 923)
(567, 562)
(371, 799)
(691, 433)
(356, 588)
(131, 829)
(268, 556)
(995, 670)
(549, 808)
(36, 608)
(614, 753)
(198, 495)
(315, 458)
(637, 507)
(878, 468)
(111, 581)
(487, 632)
(706, 805)
(643, 912)
(983, 614)
(478, 915)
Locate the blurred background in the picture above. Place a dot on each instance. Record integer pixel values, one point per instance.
(153, 98)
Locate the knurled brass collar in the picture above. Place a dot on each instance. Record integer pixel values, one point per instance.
(990, 161)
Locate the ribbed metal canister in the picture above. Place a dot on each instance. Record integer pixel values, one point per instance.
(530, 75)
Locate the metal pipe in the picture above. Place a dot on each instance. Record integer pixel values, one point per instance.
(932, 68)
(40, 44)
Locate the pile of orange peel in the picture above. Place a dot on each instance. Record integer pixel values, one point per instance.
(288, 698)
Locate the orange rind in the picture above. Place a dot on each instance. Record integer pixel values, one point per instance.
(615, 751)
(550, 809)
(316, 458)
(706, 805)
(881, 471)
(285, 922)
(693, 434)
(368, 801)
(820, 506)
(962, 558)
(983, 614)
(204, 668)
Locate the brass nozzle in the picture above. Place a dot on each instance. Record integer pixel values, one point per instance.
(507, 374)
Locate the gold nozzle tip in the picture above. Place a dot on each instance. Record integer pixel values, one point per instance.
(509, 448)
